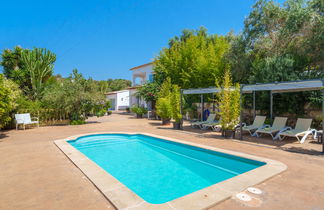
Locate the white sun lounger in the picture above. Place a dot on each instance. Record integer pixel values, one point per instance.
(210, 119)
(215, 126)
(258, 123)
(25, 119)
(301, 131)
(279, 124)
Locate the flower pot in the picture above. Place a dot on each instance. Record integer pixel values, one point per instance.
(228, 134)
(177, 125)
(139, 115)
(165, 121)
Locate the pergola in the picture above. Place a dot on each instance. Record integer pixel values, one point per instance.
(276, 87)
(201, 92)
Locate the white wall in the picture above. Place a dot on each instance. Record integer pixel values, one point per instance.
(145, 73)
(122, 99)
(119, 100)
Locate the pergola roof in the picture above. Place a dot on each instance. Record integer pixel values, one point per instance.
(276, 87)
(280, 87)
(200, 90)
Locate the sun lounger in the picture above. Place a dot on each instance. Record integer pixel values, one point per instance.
(25, 119)
(258, 123)
(301, 131)
(279, 124)
(215, 126)
(210, 119)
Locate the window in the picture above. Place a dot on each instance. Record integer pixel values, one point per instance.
(151, 77)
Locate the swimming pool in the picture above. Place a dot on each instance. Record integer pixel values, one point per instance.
(159, 170)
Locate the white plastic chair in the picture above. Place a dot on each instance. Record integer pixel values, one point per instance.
(257, 124)
(279, 124)
(210, 119)
(301, 131)
(25, 119)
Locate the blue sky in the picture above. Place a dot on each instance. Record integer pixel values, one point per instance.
(105, 38)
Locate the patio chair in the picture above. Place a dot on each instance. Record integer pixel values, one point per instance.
(199, 124)
(258, 123)
(215, 126)
(279, 124)
(302, 128)
(25, 119)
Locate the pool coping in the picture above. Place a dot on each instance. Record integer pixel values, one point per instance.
(124, 198)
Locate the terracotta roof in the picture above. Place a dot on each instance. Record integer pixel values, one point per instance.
(138, 67)
(115, 92)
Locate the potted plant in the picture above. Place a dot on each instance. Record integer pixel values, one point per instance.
(127, 109)
(176, 107)
(139, 111)
(229, 106)
(163, 104)
(164, 110)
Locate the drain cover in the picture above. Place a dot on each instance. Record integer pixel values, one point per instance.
(243, 197)
(254, 190)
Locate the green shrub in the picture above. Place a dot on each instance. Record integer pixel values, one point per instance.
(229, 103)
(9, 92)
(139, 110)
(77, 122)
(175, 103)
(164, 108)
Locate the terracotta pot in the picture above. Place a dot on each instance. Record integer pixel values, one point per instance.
(228, 134)
(165, 121)
(177, 125)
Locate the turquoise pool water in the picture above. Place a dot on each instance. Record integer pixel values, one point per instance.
(158, 170)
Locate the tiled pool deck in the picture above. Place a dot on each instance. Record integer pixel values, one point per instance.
(35, 174)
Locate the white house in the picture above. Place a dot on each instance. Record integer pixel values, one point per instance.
(120, 100)
(142, 74)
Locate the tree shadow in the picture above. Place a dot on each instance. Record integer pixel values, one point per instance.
(3, 135)
(123, 113)
(303, 151)
(92, 122)
(156, 123)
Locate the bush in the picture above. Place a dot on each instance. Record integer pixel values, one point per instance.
(175, 103)
(109, 112)
(164, 108)
(101, 113)
(229, 103)
(139, 110)
(9, 93)
(77, 122)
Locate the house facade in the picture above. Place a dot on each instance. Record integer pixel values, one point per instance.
(142, 74)
(120, 100)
